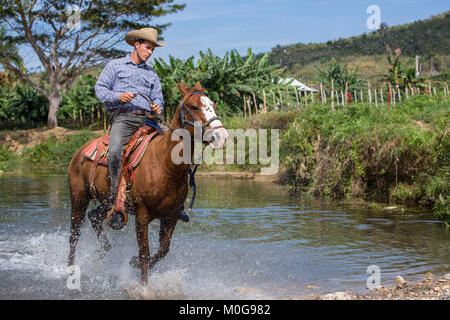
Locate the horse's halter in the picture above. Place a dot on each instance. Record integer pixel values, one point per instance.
(185, 121)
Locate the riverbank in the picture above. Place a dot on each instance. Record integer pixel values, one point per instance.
(432, 287)
(391, 155)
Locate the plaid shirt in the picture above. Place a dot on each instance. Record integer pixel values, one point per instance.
(123, 75)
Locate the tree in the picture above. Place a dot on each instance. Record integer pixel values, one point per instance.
(70, 35)
(9, 50)
(225, 79)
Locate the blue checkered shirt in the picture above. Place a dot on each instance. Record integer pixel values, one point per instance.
(123, 75)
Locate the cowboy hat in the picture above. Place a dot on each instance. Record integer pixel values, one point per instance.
(148, 34)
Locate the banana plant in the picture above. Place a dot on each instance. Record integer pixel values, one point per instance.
(339, 73)
(26, 104)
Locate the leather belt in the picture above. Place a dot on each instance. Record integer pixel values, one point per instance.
(139, 112)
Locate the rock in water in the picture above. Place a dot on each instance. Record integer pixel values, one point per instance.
(428, 276)
(400, 282)
(337, 296)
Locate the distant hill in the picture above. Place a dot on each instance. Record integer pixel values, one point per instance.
(428, 38)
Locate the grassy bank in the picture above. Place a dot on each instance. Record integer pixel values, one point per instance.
(397, 155)
(55, 152)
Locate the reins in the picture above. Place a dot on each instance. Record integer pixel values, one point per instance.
(185, 121)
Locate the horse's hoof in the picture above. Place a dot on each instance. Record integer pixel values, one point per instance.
(116, 221)
(134, 262)
(183, 216)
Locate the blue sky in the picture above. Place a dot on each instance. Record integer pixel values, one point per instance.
(262, 24)
(223, 25)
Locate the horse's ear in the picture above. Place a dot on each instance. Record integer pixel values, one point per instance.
(198, 86)
(183, 89)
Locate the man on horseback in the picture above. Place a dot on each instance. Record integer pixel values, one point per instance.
(125, 87)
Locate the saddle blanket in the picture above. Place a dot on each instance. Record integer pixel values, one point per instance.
(99, 148)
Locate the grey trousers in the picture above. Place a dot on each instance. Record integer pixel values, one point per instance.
(123, 126)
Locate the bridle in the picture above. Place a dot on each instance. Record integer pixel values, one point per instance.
(185, 109)
(185, 121)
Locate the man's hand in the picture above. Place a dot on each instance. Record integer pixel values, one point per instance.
(126, 97)
(155, 108)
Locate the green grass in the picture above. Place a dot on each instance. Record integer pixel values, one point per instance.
(7, 158)
(53, 153)
(398, 155)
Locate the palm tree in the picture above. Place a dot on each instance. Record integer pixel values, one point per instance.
(8, 50)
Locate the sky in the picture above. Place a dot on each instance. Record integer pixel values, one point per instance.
(223, 25)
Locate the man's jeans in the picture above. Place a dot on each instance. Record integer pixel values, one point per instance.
(123, 126)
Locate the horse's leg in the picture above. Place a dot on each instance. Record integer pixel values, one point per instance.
(80, 203)
(142, 221)
(97, 216)
(166, 230)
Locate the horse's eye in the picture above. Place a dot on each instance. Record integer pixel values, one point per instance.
(194, 108)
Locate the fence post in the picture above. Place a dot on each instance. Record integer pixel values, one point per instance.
(399, 94)
(429, 87)
(393, 96)
(332, 95)
(296, 97)
(381, 95)
(254, 100)
(281, 98)
(274, 99)
(362, 100)
(346, 90)
(288, 95)
(321, 92)
(265, 100)
(376, 99)
(370, 94)
(389, 95)
(306, 97)
(356, 96)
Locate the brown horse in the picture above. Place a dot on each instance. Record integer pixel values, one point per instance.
(160, 186)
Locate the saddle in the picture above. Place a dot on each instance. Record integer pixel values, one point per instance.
(97, 152)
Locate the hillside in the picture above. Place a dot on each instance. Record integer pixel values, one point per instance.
(428, 38)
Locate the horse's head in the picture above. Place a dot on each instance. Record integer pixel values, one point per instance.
(197, 107)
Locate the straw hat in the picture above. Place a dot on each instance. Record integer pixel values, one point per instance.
(148, 34)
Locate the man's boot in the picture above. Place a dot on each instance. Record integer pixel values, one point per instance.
(116, 220)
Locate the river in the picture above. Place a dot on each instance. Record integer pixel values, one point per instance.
(246, 240)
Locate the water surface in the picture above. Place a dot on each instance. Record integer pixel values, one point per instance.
(246, 240)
